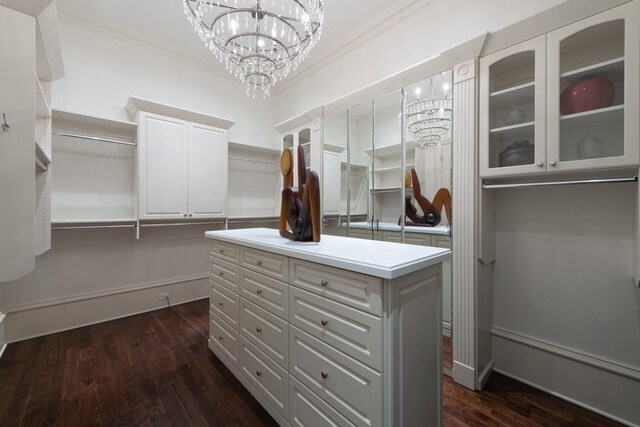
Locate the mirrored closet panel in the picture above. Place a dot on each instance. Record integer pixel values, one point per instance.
(334, 173)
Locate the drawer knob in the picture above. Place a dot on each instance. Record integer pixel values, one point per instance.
(324, 283)
(220, 304)
(259, 262)
(324, 322)
(220, 337)
(221, 251)
(258, 291)
(258, 373)
(258, 330)
(324, 375)
(221, 273)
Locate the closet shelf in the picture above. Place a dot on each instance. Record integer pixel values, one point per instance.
(394, 168)
(390, 190)
(85, 221)
(334, 148)
(42, 106)
(612, 69)
(75, 122)
(517, 96)
(389, 150)
(593, 118)
(41, 155)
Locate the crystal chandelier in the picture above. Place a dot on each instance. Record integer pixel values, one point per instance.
(429, 120)
(259, 41)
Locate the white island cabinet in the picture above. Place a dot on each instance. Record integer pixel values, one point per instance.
(345, 332)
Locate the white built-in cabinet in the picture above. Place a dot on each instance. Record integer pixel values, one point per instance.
(523, 128)
(182, 168)
(30, 58)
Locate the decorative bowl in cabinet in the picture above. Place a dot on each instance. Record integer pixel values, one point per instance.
(588, 94)
(515, 116)
(521, 152)
(590, 147)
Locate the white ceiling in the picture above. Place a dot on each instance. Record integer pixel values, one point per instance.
(162, 22)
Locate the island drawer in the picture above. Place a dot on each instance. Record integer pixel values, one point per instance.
(265, 375)
(353, 289)
(223, 339)
(348, 386)
(267, 332)
(225, 273)
(224, 304)
(354, 332)
(225, 251)
(267, 263)
(268, 293)
(307, 409)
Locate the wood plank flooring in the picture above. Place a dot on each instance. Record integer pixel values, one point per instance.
(155, 369)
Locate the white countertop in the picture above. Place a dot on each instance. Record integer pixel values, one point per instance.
(390, 226)
(386, 260)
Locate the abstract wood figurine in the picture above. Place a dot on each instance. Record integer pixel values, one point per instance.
(432, 211)
(300, 210)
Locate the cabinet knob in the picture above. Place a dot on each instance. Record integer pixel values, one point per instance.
(221, 273)
(190, 215)
(259, 262)
(258, 291)
(324, 375)
(552, 163)
(220, 304)
(221, 251)
(539, 164)
(324, 322)
(258, 373)
(220, 337)
(324, 283)
(258, 329)
(185, 215)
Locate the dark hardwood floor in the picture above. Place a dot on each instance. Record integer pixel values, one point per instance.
(155, 369)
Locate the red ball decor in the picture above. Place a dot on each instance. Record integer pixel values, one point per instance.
(586, 95)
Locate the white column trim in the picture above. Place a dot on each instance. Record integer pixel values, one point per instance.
(464, 150)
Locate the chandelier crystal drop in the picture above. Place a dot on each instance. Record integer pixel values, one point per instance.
(429, 120)
(259, 41)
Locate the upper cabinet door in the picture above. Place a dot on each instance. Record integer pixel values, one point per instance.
(162, 167)
(593, 92)
(207, 171)
(513, 110)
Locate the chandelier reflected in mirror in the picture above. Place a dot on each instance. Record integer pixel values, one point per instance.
(429, 119)
(259, 41)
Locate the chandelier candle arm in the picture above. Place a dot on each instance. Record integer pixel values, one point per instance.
(258, 41)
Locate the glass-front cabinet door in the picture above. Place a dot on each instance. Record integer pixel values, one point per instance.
(513, 110)
(593, 92)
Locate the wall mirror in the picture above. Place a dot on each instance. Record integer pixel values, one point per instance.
(334, 172)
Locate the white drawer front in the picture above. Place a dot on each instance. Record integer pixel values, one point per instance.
(225, 273)
(223, 339)
(354, 332)
(265, 375)
(224, 304)
(353, 289)
(264, 330)
(270, 294)
(225, 251)
(351, 388)
(272, 265)
(308, 410)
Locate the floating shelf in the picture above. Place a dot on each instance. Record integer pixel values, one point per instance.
(517, 95)
(99, 125)
(42, 107)
(593, 118)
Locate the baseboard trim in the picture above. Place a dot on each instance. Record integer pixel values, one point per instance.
(464, 375)
(101, 294)
(63, 314)
(564, 397)
(484, 376)
(3, 345)
(592, 360)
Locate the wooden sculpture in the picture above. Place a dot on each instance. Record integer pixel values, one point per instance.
(432, 211)
(300, 210)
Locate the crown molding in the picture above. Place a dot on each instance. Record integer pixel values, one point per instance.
(368, 31)
(114, 31)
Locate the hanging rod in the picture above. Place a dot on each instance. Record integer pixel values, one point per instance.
(93, 227)
(174, 224)
(554, 183)
(95, 138)
(248, 159)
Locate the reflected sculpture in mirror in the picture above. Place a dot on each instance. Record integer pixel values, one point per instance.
(432, 211)
(300, 210)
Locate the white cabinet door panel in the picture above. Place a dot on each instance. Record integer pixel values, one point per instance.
(162, 167)
(207, 171)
